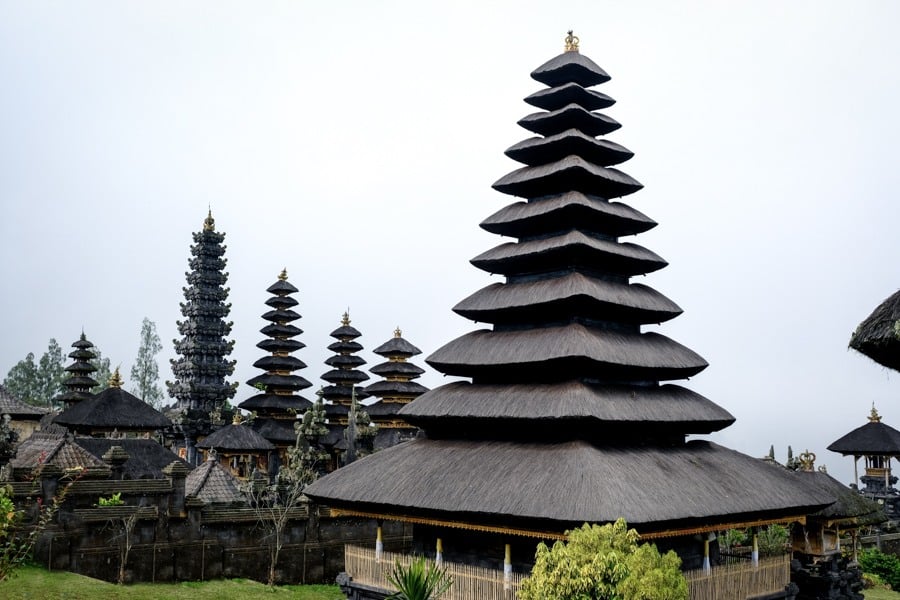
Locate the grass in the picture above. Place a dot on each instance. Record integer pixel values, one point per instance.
(874, 594)
(35, 583)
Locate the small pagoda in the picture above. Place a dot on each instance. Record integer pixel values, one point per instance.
(343, 390)
(394, 391)
(878, 443)
(239, 448)
(79, 383)
(566, 414)
(278, 406)
(199, 388)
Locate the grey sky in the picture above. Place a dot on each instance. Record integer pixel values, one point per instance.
(355, 144)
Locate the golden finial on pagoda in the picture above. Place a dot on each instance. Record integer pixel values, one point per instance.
(283, 275)
(874, 417)
(572, 42)
(397, 332)
(236, 419)
(345, 318)
(209, 224)
(115, 380)
(807, 461)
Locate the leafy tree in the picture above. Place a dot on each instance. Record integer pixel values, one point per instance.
(421, 580)
(103, 372)
(37, 383)
(604, 563)
(773, 540)
(145, 371)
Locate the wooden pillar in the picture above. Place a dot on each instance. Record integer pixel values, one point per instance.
(379, 543)
(507, 567)
(855, 545)
(855, 471)
(706, 566)
(754, 554)
(439, 554)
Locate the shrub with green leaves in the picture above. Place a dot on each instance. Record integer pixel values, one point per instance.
(604, 563)
(421, 580)
(885, 566)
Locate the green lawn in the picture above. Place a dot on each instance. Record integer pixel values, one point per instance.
(34, 583)
(880, 595)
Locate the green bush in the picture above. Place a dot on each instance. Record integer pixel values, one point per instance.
(421, 580)
(885, 566)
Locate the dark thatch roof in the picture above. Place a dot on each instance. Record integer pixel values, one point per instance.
(397, 369)
(276, 401)
(558, 352)
(540, 150)
(146, 458)
(113, 408)
(281, 315)
(608, 405)
(849, 504)
(570, 294)
(235, 437)
(873, 438)
(878, 336)
(18, 410)
(345, 332)
(570, 67)
(569, 117)
(557, 97)
(213, 484)
(556, 213)
(397, 346)
(399, 388)
(573, 248)
(567, 483)
(569, 174)
(277, 431)
(281, 288)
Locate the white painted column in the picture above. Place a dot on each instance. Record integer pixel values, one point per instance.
(754, 554)
(439, 555)
(507, 567)
(379, 545)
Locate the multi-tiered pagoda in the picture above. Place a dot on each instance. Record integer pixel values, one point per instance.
(79, 383)
(344, 379)
(200, 389)
(278, 406)
(567, 415)
(394, 391)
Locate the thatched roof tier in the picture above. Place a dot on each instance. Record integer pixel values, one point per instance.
(281, 315)
(569, 483)
(397, 346)
(850, 507)
(398, 388)
(281, 302)
(573, 249)
(278, 330)
(570, 67)
(79, 383)
(571, 294)
(282, 288)
(280, 363)
(276, 345)
(345, 377)
(235, 437)
(284, 403)
(213, 484)
(557, 405)
(277, 431)
(55, 449)
(348, 361)
(872, 439)
(566, 352)
(878, 336)
(345, 347)
(572, 173)
(558, 213)
(397, 368)
(541, 150)
(345, 332)
(113, 408)
(282, 383)
(569, 117)
(569, 93)
(342, 393)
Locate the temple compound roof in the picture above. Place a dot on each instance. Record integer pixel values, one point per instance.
(15, 408)
(568, 414)
(213, 484)
(236, 437)
(876, 337)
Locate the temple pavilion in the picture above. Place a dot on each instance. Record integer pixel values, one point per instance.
(567, 412)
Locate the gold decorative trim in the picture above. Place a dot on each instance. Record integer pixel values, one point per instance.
(572, 42)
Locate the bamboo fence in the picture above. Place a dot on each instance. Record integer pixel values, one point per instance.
(740, 580)
(469, 582)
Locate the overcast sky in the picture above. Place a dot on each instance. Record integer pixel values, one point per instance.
(355, 143)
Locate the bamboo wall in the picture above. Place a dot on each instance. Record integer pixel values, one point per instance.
(469, 582)
(740, 580)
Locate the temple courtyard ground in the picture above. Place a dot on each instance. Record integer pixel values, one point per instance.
(35, 583)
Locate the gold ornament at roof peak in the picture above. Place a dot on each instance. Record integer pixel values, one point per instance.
(572, 42)
(236, 419)
(115, 380)
(397, 332)
(874, 417)
(283, 275)
(209, 224)
(807, 461)
(345, 318)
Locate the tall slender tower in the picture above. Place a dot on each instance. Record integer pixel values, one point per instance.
(79, 383)
(200, 370)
